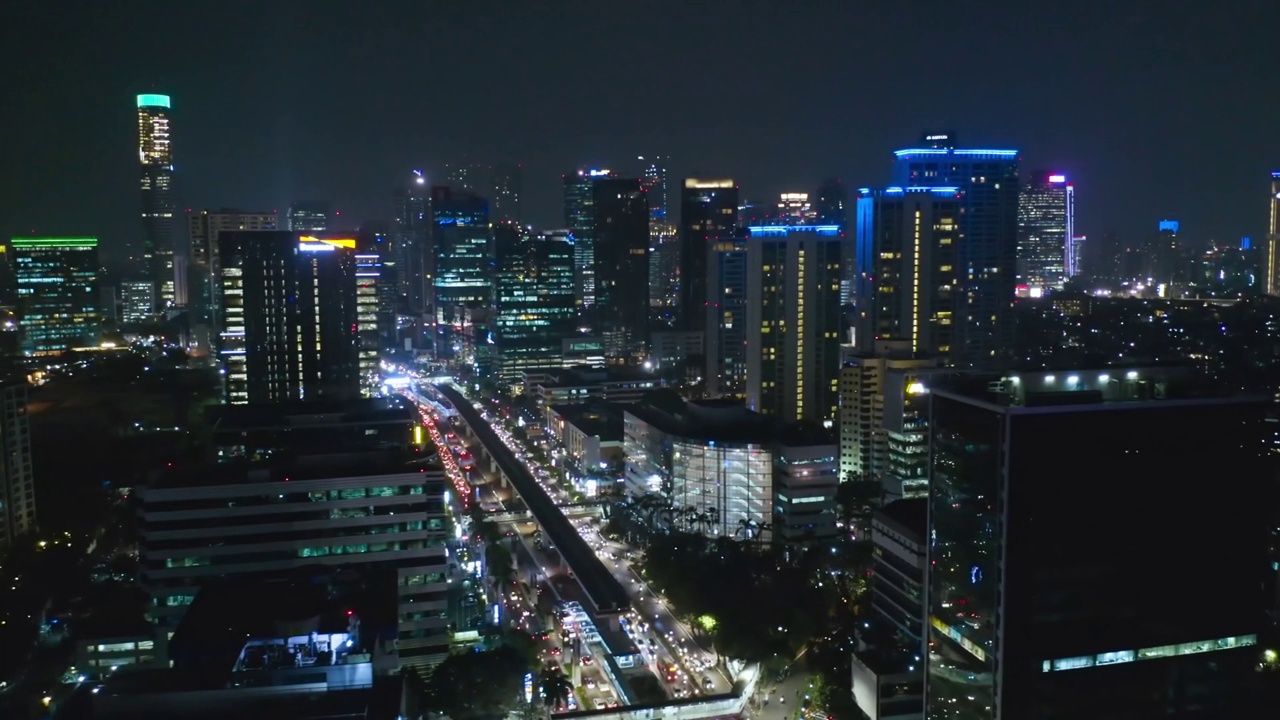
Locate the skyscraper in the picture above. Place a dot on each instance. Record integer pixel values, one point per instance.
(726, 334)
(463, 260)
(664, 260)
(1271, 273)
(908, 270)
(708, 210)
(369, 318)
(155, 154)
(987, 258)
(1163, 256)
(535, 304)
(505, 194)
(1046, 226)
(203, 273)
(1026, 625)
(621, 237)
(290, 328)
(17, 490)
(793, 322)
(57, 292)
(579, 218)
(309, 216)
(411, 243)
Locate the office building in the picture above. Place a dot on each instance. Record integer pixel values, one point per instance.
(57, 292)
(155, 154)
(888, 667)
(708, 211)
(1075, 256)
(203, 274)
(579, 218)
(664, 250)
(535, 305)
(620, 235)
(884, 405)
(369, 318)
(1046, 227)
(987, 181)
(505, 194)
(1165, 258)
(411, 238)
(669, 348)
(726, 335)
(311, 217)
(805, 478)
(137, 300)
(366, 510)
(710, 458)
(17, 488)
(909, 273)
(588, 444)
(793, 322)
(1271, 271)
(462, 274)
(1047, 601)
(290, 324)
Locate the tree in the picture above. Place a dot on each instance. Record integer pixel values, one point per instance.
(498, 561)
(472, 685)
(555, 687)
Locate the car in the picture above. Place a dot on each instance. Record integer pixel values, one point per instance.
(599, 703)
(589, 683)
(587, 660)
(555, 651)
(612, 704)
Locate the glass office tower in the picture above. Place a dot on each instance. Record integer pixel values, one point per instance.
(1078, 566)
(57, 292)
(1046, 219)
(535, 305)
(155, 154)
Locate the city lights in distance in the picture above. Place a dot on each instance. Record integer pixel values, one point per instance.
(1057, 178)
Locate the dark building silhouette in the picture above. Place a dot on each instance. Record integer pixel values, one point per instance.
(620, 233)
(708, 210)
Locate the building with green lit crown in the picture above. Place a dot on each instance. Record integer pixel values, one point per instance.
(57, 292)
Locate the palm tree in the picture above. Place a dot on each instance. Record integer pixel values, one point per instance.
(555, 687)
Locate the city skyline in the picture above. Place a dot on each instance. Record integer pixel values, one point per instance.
(242, 145)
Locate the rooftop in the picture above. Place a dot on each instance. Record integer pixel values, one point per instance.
(310, 413)
(603, 420)
(726, 421)
(320, 467)
(910, 517)
(1051, 388)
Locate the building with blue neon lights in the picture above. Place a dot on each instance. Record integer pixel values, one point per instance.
(986, 256)
(462, 246)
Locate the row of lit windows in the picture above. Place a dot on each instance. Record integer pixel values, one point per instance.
(1151, 653)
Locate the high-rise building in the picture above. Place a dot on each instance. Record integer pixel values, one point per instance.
(369, 317)
(884, 407)
(1163, 256)
(726, 334)
(309, 216)
(505, 194)
(535, 305)
(17, 489)
(987, 258)
(137, 300)
(829, 206)
(463, 261)
(654, 181)
(1271, 272)
(57, 292)
(708, 210)
(1046, 227)
(793, 322)
(204, 275)
(621, 237)
(579, 218)
(155, 154)
(908, 268)
(1026, 625)
(290, 329)
(374, 241)
(664, 255)
(411, 250)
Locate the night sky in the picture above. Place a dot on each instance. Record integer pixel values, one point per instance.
(1154, 109)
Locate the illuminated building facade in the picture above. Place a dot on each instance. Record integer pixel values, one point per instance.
(155, 155)
(726, 334)
(535, 305)
(137, 300)
(1046, 228)
(664, 255)
(411, 237)
(463, 261)
(57, 292)
(580, 219)
(368, 317)
(203, 273)
(1271, 251)
(620, 235)
(987, 180)
(908, 268)
(793, 322)
(1033, 615)
(290, 323)
(507, 181)
(17, 488)
(309, 216)
(708, 210)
